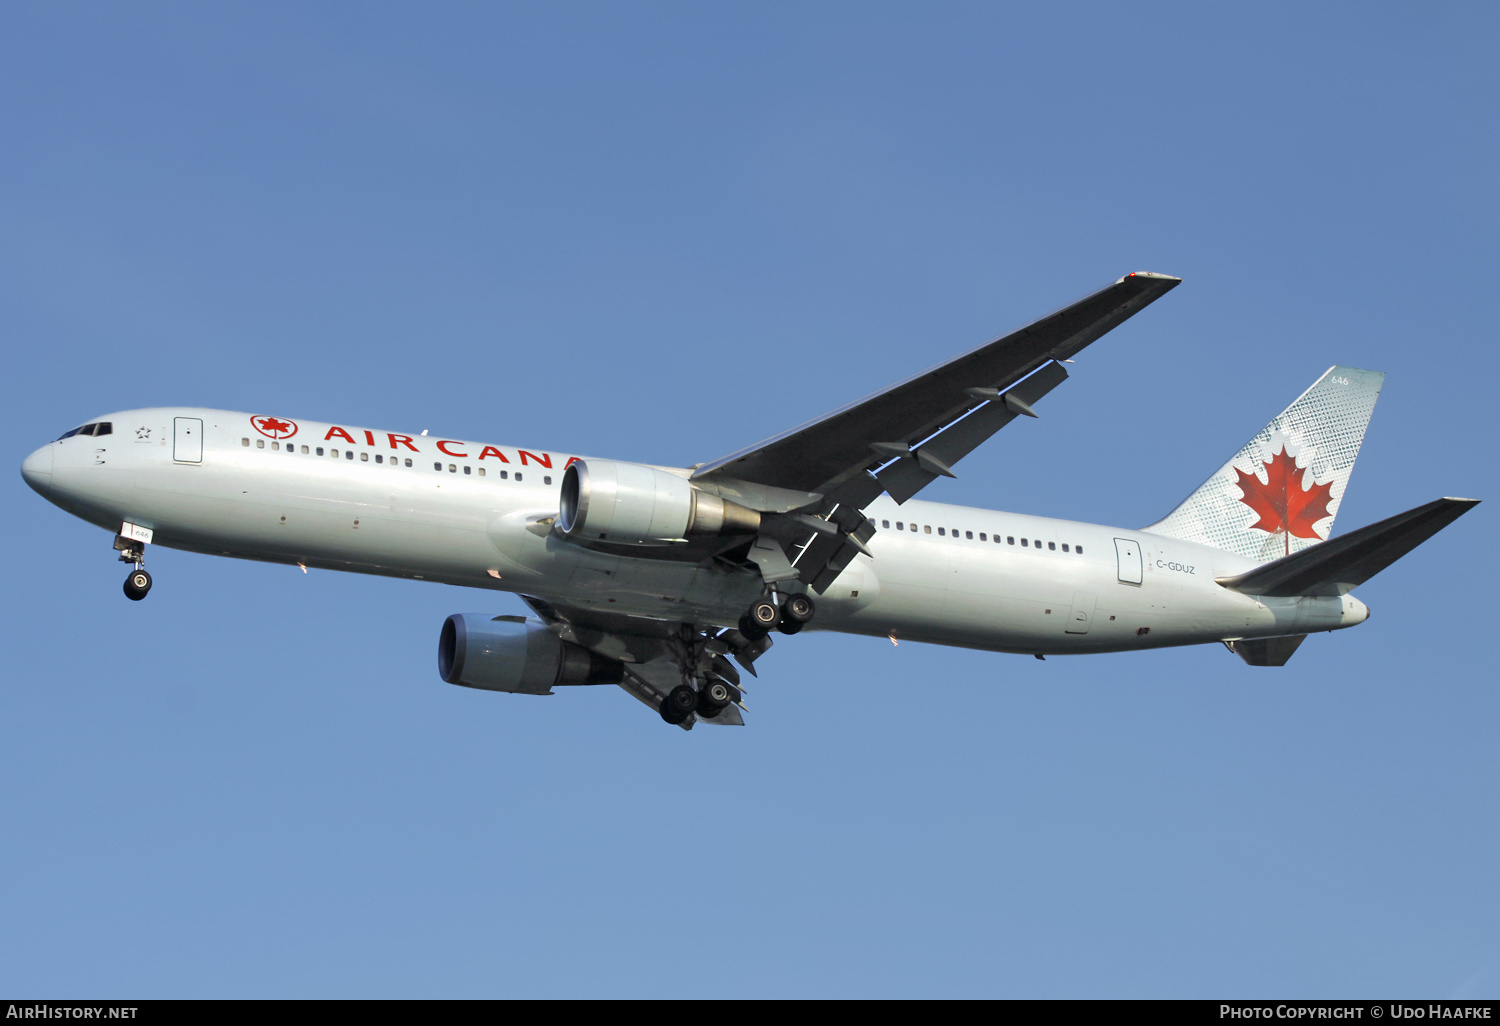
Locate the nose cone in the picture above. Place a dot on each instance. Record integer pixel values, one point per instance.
(1355, 611)
(37, 470)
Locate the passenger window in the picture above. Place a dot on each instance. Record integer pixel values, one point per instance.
(970, 535)
(1065, 546)
(982, 536)
(468, 469)
(900, 526)
(1078, 550)
(1052, 546)
(913, 528)
(886, 523)
(1009, 539)
(348, 454)
(245, 442)
(291, 448)
(304, 450)
(518, 475)
(364, 457)
(320, 450)
(379, 458)
(548, 480)
(504, 475)
(437, 466)
(260, 443)
(481, 471)
(334, 453)
(926, 528)
(940, 532)
(1037, 543)
(1024, 544)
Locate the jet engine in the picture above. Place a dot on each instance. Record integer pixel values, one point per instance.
(604, 500)
(512, 653)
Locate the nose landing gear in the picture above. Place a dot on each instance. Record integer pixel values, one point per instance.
(133, 550)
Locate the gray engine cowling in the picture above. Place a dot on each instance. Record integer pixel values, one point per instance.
(512, 653)
(605, 500)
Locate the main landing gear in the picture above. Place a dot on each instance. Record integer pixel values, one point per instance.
(139, 581)
(710, 684)
(794, 613)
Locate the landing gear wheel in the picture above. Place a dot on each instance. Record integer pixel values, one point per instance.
(764, 615)
(790, 626)
(137, 584)
(798, 608)
(713, 698)
(679, 704)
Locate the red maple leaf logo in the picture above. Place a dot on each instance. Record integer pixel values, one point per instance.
(271, 427)
(1282, 503)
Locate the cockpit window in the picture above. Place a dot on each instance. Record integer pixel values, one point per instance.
(102, 428)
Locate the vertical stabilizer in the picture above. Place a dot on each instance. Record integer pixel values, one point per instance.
(1282, 490)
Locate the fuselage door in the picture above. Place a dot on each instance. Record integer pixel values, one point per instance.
(187, 439)
(1129, 555)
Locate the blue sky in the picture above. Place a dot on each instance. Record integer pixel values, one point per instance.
(661, 232)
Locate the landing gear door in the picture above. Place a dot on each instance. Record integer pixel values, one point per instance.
(1128, 553)
(187, 440)
(1082, 615)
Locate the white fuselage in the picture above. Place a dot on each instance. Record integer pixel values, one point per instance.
(477, 515)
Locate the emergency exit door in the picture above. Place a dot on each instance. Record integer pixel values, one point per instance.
(187, 439)
(1128, 553)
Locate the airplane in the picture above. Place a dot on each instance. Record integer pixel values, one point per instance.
(654, 578)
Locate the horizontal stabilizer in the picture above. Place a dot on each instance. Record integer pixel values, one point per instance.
(1338, 566)
(1267, 651)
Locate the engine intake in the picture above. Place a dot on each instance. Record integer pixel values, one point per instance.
(604, 500)
(512, 653)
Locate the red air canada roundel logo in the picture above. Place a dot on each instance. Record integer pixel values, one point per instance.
(274, 427)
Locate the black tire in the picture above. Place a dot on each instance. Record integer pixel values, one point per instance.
(764, 615)
(749, 630)
(713, 697)
(799, 609)
(137, 585)
(790, 626)
(679, 704)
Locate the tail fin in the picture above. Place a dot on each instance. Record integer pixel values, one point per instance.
(1281, 491)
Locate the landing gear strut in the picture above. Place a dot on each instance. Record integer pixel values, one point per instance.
(132, 551)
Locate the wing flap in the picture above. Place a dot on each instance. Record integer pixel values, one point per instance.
(909, 475)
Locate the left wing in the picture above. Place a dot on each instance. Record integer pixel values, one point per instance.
(904, 437)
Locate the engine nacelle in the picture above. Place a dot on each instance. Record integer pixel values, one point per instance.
(604, 500)
(512, 653)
